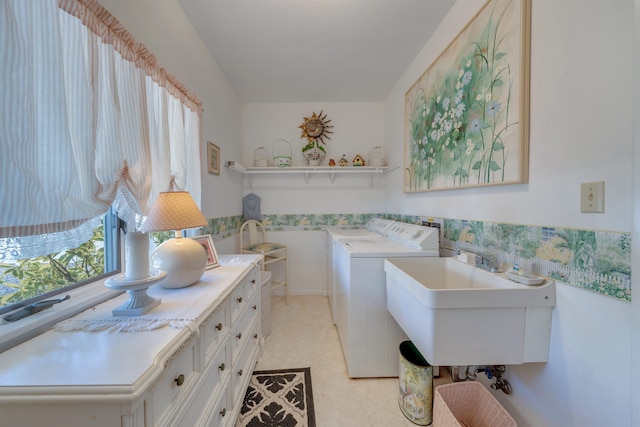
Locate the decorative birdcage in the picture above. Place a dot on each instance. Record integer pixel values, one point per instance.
(377, 156)
(261, 157)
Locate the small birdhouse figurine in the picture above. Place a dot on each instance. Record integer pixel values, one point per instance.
(358, 160)
(343, 161)
(332, 162)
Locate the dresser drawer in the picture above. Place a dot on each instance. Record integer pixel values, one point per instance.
(215, 330)
(166, 394)
(221, 416)
(253, 282)
(238, 302)
(241, 330)
(244, 366)
(218, 372)
(208, 392)
(242, 293)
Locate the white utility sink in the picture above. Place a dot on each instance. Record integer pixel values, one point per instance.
(458, 314)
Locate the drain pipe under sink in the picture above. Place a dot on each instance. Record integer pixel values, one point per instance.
(491, 371)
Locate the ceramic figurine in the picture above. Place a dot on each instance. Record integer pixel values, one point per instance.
(358, 160)
(343, 161)
(332, 162)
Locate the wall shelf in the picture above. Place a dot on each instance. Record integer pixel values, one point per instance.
(307, 171)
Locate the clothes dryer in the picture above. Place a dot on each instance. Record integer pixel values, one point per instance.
(369, 335)
(375, 228)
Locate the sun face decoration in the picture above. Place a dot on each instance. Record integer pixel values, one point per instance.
(316, 128)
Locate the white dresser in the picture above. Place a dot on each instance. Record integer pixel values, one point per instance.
(189, 369)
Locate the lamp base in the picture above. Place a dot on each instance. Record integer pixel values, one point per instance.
(139, 301)
(138, 304)
(183, 259)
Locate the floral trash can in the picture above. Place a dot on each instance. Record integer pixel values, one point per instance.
(416, 385)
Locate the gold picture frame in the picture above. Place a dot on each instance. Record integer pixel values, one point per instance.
(207, 243)
(467, 116)
(213, 158)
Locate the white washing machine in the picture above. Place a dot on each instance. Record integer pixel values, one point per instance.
(375, 228)
(369, 335)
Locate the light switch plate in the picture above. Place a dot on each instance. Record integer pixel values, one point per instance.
(592, 197)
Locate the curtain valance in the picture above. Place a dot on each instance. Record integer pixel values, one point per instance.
(98, 19)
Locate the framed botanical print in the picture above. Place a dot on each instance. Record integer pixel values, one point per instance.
(213, 158)
(467, 116)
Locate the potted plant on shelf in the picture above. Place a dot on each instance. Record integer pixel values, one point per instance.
(315, 129)
(313, 152)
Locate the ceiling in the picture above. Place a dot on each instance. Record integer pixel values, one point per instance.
(314, 50)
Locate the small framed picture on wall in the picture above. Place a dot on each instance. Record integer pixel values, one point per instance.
(213, 158)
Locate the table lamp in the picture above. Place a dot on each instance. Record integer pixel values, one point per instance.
(183, 259)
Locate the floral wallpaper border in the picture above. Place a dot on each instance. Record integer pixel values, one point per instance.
(599, 261)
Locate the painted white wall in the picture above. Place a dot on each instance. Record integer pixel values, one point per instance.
(358, 128)
(165, 30)
(581, 131)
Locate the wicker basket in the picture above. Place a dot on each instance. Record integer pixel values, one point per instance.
(281, 153)
(468, 404)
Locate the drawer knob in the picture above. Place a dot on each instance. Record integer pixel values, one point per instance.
(239, 335)
(253, 281)
(219, 326)
(240, 373)
(255, 336)
(223, 412)
(180, 380)
(221, 367)
(255, 307)
(240, 300)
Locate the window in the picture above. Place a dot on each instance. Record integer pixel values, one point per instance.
(28, 280)
(90, 124)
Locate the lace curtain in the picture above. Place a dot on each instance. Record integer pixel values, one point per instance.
(87, 120)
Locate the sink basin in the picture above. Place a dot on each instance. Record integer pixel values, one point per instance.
(458, 314)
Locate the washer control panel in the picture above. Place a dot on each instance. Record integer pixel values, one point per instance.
(416, 236)
(379, 225)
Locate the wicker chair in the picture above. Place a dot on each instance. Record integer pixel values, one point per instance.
(253, 240)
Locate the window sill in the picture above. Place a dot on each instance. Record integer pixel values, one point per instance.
(12, 334)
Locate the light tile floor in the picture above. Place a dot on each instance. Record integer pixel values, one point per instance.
(302, 334)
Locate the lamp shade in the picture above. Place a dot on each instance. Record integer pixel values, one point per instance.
(184, 260)
(174, 210)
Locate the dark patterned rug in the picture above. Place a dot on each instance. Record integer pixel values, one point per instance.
(281, 398)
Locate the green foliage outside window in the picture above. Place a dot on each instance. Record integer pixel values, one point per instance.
(159, 237)
(32, 277)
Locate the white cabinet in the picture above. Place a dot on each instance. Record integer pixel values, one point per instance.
(187, 374)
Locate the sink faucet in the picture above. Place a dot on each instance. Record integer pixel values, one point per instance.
(488, 263)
